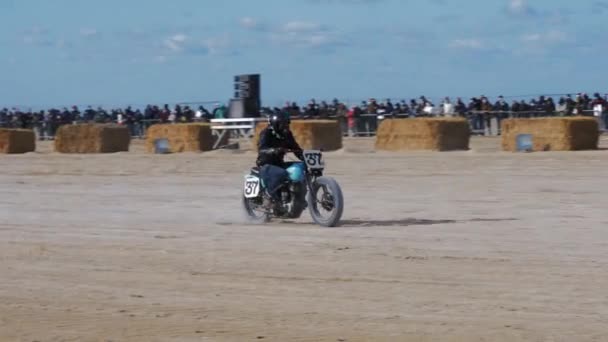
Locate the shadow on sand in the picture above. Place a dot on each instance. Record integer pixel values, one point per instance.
(393, 223)
(360, 223)
(411, 222)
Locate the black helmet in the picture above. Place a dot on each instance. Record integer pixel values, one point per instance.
(279, 122)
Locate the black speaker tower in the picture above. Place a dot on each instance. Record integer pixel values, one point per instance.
(247, 92)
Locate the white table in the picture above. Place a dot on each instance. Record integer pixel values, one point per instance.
(243, 127)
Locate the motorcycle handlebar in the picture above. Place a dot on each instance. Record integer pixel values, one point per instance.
(287, 150)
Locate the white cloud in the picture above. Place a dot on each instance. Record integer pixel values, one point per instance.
(62, 44)
(88, 32)
(180, 38)
(345, 2)
(540, 43)
(532, 37)
(306, 35)
(37, 36)
(188, 45)
(249, 23)
(37, 40)
(556, 36)
(318, 39)
(520, 8)
(290, 34)
(176, 42)
(550, 37)
(301, 26)
(297, 40)
(36, 30)
(252, 24)
(216, 45)
(474, 44)
(517, 5)
(599, 7)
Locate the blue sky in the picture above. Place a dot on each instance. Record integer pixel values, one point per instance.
(118, 52)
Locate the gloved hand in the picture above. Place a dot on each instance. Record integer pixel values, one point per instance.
(278, 150)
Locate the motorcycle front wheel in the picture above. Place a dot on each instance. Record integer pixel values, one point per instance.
(326, 202)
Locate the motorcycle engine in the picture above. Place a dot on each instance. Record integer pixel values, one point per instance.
(294, 198)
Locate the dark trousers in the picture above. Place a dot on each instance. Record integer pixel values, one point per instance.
(273, 176)
(478, 122)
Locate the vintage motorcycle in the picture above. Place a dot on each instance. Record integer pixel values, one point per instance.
(306, 187)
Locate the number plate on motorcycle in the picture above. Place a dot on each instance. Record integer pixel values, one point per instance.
(314, 159)
(252, 187)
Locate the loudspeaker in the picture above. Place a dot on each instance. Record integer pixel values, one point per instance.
(247, 89)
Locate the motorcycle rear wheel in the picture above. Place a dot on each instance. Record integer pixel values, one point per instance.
(255, 212)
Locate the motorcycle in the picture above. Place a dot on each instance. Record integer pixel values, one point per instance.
(300, 191)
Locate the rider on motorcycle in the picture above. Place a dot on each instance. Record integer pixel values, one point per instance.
(275, 141)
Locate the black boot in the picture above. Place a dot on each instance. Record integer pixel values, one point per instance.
(277, 207)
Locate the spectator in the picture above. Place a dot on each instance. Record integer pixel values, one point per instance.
(448, 107)
(599, 110)
(460, 108)
(549, 107)
(502, 110)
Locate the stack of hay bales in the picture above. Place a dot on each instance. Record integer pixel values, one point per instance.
(17, 140)
(552, 134)
(92, 138)
(323, 135)
(435, 134)
(189, 137)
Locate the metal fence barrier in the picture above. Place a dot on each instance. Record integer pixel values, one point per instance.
(487, 123)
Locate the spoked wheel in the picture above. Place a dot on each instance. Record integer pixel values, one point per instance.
(326, 202)
(255, 211)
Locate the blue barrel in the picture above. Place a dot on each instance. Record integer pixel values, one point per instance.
(524, 143)
(161, 146)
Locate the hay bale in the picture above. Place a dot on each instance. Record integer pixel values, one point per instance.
(17, 140)
(188, 137)
(92, 138)
(311, 134)
(435, 134)
(552, 134)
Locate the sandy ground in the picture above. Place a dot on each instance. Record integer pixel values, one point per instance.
(462, 246)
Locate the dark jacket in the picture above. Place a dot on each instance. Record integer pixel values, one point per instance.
(270, 145)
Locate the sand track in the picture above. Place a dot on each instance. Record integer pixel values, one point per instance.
(460, 246)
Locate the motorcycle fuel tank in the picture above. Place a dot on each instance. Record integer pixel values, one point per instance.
(296, 172)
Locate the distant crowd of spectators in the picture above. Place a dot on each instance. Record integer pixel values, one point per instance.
(362, 118)
(425, 107)
(356, 119)
(46, 122)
